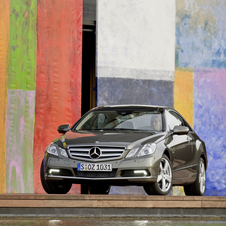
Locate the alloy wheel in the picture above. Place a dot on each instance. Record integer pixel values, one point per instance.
(164, 179)
(202, 177)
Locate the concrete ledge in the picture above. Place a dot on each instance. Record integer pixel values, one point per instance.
(111, 212)
(34, 205)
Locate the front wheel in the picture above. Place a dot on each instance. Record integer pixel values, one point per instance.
(164, 179)
(53, 187)
(199, 186)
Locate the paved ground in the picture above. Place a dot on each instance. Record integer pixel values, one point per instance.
(109, 222)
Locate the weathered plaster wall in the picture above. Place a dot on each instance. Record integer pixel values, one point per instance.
(58, 91)
(148, 52)
(200, 33)
(4, 40)
(21, 97)
(136, 44)
(209, 122)
(40, 79)
(201, 50)
(135, 54)
(135, 51)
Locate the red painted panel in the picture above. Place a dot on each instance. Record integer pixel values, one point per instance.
(58, 84)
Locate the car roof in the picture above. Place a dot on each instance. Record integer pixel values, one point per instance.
(132, 106)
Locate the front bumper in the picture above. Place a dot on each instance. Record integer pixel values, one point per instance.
(119, 176)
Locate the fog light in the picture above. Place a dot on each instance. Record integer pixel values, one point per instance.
(54, 171)
(144, 172)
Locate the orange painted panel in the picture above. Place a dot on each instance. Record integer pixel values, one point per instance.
(183, 102)
(183, 94)
(4, 43)
(58, 80)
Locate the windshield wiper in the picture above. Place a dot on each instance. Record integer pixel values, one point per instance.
(123, 129)
(138, 130)
(112, 129)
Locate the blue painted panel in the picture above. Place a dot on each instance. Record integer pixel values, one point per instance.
(209, 123)
(200, 34)
(134, 91)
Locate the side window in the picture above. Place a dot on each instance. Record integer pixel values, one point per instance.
(173, 120)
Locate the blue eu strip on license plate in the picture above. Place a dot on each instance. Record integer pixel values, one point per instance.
(94, 167)
(79, 167)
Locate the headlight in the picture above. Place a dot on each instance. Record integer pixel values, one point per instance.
(63, 152)
(54, 148)
(132, 152)
(147, 149)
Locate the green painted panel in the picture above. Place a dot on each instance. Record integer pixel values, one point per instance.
(22, 45)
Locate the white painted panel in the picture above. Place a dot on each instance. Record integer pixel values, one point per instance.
(136, 34)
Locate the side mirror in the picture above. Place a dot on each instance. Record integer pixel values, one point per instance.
(180, 130)
(63, 128)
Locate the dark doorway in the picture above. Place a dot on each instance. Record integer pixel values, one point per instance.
(88, 66)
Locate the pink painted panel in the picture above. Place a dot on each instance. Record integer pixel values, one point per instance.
(19, 141)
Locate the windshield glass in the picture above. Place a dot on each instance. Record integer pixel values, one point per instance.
(122, 120)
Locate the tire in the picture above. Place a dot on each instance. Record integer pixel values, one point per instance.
(163, 184)
(53, 187)
(103, 189)
(199, 186)
(84, 189)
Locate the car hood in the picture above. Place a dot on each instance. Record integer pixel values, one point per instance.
(125, 138)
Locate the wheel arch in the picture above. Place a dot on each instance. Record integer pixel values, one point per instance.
(167, 153)
(204, 159)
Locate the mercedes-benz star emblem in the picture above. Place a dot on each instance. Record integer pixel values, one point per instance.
(95, 153)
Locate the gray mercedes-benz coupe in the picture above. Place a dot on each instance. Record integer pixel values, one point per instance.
(149, 146)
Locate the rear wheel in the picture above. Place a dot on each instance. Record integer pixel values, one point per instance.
(199, 187)
(164, 180)
(102, 189)
(53, 187)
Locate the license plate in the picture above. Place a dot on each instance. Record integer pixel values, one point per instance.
(94, 167)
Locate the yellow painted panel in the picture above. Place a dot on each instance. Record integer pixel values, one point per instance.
(183, 94)
(4, 40)
(183, 102)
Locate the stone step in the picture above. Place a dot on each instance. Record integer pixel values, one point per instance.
(110, 201)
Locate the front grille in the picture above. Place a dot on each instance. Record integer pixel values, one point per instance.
(93, 174)
(106, 152)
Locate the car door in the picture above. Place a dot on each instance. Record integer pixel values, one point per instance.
(181, 148)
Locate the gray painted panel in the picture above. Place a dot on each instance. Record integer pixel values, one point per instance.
(89, 10)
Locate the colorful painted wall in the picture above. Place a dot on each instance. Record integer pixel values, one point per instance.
(135, 51)
(168, 53)
(135, 55)
(40, 79)
(148, 52)
(201, 58)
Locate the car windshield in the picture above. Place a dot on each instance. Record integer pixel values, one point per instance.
(122, 120)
